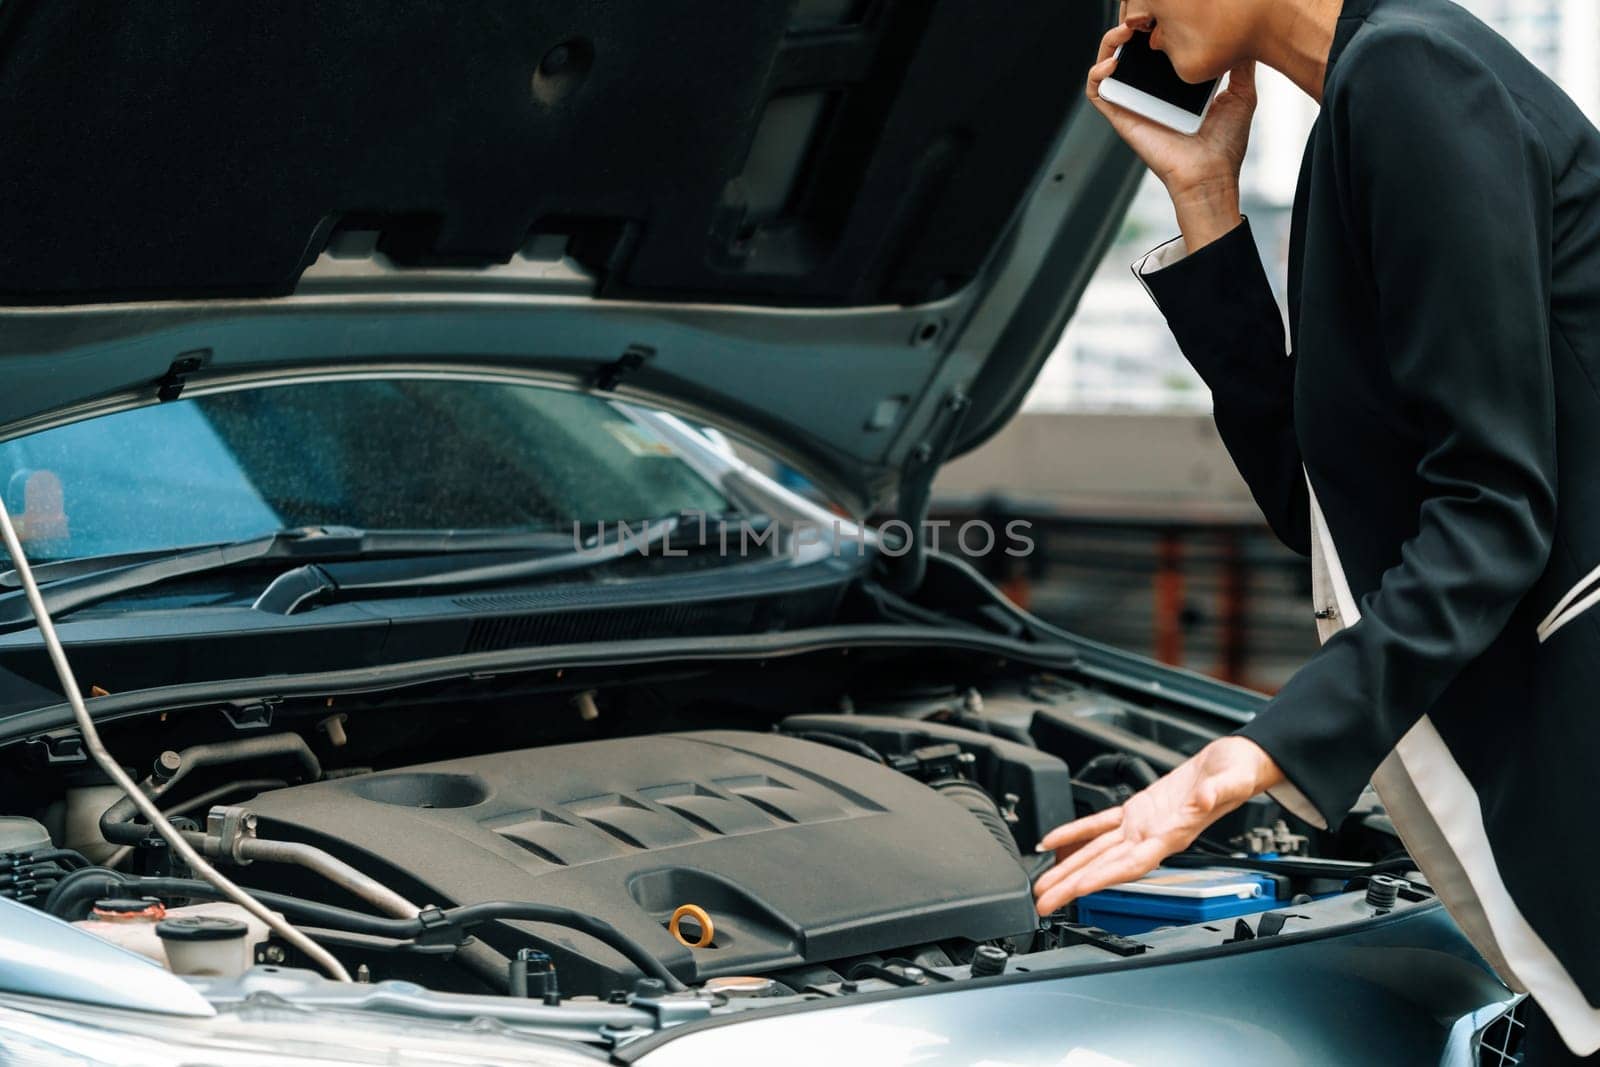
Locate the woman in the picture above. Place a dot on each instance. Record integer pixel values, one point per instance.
(1433, 442)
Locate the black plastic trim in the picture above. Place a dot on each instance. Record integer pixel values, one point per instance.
(625, 653)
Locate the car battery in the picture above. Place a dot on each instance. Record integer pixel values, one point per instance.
(1178, 897)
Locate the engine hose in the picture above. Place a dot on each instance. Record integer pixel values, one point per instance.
(469, 915)
(485, 964)
(83, 887)
(849, 744)
(983, 808)
(73, 896)
(68, 858)
(1123, 769)
(197, 757)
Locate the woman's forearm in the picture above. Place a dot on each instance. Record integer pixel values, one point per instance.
(1206, 212)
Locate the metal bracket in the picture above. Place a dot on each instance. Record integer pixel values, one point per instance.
(226, 828)
(170, 385)
(632, 359)
(1064, 935)
(59, 748)
(251, 714)
(672, 1009)
(437, 929)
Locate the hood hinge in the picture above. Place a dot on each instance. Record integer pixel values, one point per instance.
(903, 573)
(170, 385)
(632, 359)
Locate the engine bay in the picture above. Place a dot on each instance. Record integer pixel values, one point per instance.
(741, 832)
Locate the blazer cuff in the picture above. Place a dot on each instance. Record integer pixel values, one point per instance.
(1160, 258)
(1309, 791)
(1296, 803)
(1217, 301)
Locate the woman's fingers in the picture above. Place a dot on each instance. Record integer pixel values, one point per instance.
(1242, 81)
(1106, 63)
(1097, 74)
(1125, 863)
(1078, 831)
(1067, 890)
(1077, 861)
(1114, 38)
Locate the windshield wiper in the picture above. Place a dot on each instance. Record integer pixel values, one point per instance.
(79, 587)
(293, 589)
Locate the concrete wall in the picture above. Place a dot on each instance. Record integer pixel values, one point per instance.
(1123, 465)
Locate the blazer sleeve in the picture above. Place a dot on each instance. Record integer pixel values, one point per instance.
(1450, 192)
(1220, 307)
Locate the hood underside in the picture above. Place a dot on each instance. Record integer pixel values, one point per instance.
(813, 219)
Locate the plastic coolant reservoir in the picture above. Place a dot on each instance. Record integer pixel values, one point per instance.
(193, 940)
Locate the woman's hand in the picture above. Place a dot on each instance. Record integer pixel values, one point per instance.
(1201, 172)
(1121, 844)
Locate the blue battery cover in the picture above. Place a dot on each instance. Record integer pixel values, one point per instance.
(1178, 897)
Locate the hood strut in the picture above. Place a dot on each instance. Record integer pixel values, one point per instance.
(903, 573)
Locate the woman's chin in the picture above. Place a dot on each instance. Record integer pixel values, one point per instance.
(1195, 70)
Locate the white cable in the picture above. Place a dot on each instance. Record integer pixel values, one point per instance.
(146, 807)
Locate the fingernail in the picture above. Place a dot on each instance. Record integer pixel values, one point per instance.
(1041, 847)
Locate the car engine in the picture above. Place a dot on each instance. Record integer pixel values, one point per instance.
(786, 845)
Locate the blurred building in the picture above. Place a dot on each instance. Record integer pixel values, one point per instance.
(1561, 36)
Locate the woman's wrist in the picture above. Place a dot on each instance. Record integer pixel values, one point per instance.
(1236, 769)
(1206, 213)
(1265, 773)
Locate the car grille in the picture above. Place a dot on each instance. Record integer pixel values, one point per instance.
(1500, 1043)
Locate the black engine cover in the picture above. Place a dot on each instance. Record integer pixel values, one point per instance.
(800, 852)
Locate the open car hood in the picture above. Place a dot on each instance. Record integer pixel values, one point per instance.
(850, 230)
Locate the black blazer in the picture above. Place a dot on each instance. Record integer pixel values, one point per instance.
(1443, 401)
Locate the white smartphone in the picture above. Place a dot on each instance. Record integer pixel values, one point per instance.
(1145, 83)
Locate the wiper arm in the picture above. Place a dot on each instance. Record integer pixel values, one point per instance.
(293, 589)
(306, 542)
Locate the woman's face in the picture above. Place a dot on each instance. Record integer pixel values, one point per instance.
(1203, 38)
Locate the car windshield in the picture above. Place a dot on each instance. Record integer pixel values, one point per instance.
(415, 454)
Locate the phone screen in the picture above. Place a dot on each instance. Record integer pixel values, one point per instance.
(1142, 67)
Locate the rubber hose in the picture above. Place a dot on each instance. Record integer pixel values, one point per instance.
(76, 893)
(69, 859)
(983, 808)
(489, 966)
(849, 744)
(471, 914)
(1123, 767)
(89, 889)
